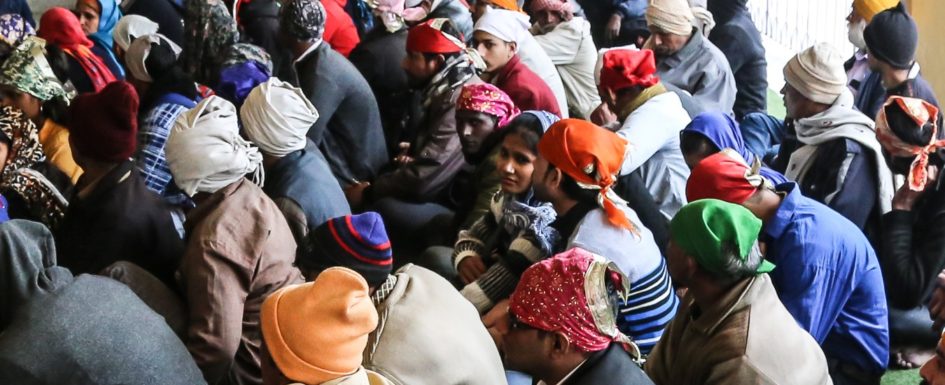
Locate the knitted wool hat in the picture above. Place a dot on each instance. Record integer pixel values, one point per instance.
(104, 125)
(893, 37)
(358, 242)
(317, 331)
(817, 73)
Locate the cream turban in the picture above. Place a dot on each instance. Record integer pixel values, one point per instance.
(276, 116)
(817, 73)
(510, 26)
(673, 16)
(138, 53)
(205, 151)
(131, 27)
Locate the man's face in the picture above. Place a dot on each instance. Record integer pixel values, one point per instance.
(479, 9)
(794, 102)
(665, 43)
(473, 129)
(525, 348)
(548, 19)
(419, 70)
(495, 52)
(541, 182)
(679, 265)
(933, 372)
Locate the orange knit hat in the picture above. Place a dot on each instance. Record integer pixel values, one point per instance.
(317, 331)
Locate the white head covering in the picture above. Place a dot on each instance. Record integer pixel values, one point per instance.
(673, 16)
(276, 116)
(817, 73)
(139, 51)
(205, 151)
(510, 26)
(131, 27)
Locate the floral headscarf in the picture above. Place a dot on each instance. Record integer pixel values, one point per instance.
(44, 201)
(303, 19)
(28, 71)
(488, 99)
(13, 29)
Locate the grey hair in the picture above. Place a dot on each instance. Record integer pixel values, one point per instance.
(735, 267)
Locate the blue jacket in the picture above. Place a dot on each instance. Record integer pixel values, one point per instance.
(829, 279)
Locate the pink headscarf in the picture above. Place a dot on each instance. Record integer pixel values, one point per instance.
(561, 6)
(567, 293)
(488, 99)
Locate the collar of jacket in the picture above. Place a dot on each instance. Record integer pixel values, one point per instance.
(742, 295)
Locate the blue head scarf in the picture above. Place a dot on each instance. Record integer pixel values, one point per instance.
(546, 118)
(722, 130)
(107, 21)
(237, 80)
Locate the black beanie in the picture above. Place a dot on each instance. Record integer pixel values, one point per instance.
(892, 36)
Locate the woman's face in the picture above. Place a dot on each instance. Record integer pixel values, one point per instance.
(516, 164)
(30, 105)
(88, 18)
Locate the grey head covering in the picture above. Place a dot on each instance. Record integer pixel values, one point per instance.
(27, 266)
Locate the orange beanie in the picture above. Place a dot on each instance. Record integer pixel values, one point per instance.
(317, 331)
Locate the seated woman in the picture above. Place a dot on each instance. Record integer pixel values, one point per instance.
(912, 242)
(98, 19)
(87, 70)
(30, 82)
(711, 132)
(515, 233)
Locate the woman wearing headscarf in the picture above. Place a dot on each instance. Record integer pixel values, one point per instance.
(209, 31)
(27, 82)
(711, 132)
(129, 28)
(166, 92)
(56, 328)
(240, 249)
(25, 177)
(912, 245)
(88, 71)
(98, 19)
(516, 232)
(13, 29)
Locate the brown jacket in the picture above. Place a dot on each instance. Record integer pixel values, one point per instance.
(239, 250)
(748, 338)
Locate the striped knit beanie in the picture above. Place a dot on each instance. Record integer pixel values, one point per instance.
(358, 242)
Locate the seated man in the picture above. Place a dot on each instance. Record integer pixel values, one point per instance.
(575, 170)
(567, 335)
(835, 158)
(315, 333)
(736, 35)
(429, 333)
(827, 277)
(731, 328)
(349, 132)
(276, 116)
(112, 215)
(56, 328)
(240, 248)
(498, 44)
(567, 41)
(686, 59)
(650, 117)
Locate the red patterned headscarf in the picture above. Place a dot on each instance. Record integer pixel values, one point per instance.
(724, 176)
(60, 26)
(922, 113)
(569, 293)
(563, 7)
(488, 99)
(592, 156)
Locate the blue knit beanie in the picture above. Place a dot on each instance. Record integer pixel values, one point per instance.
(358, 242)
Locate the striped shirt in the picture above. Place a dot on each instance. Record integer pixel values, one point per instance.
(650, 307)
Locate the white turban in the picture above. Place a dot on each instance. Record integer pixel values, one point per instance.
(138, 53)
(817, 73)
(672, 16)
(131, 27)
(509, 26)
(276, 116)
(205, 151)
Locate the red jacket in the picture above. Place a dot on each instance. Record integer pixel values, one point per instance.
(525, 88)
(340, 32)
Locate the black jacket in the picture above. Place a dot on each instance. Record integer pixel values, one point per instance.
(738, 38)
(120, 220)
(611, 366)
(388, 80)
(348, 130)
(913, 249)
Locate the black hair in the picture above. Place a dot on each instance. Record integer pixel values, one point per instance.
(168, 74)
(693, 142)
(529, 128)
(908, 131)
(451, 30)
(56, 108)
(571, 189)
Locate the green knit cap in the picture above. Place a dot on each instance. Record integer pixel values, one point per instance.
(702, 227)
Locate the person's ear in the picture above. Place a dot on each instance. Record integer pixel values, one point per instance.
(513, 46)
(560, 344)
(556, 178)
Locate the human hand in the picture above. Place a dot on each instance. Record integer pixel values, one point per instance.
(471, 268)
(355, 194)
(402, 157)
(905, 198)
(602, 115)
(613, 27)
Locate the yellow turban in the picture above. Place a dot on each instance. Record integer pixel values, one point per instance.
(869, 8)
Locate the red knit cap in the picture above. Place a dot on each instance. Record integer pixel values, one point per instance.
(623, 68)
(104, 125)
(723, 176)
(429, 37)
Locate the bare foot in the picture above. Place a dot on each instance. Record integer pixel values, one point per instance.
(911, 357)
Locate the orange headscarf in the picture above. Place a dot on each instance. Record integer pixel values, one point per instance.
(592, 156)
(510, 5)
(922, 112)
